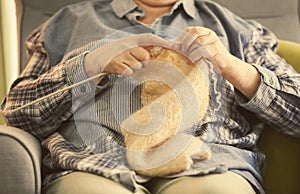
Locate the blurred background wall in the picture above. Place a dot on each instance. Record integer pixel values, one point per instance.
(8, 40)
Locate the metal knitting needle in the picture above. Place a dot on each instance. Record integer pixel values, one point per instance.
(57, 92)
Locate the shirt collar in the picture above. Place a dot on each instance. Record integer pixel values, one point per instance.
(189, 7)
(122, 7)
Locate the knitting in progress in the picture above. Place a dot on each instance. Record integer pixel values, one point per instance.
(153, 135)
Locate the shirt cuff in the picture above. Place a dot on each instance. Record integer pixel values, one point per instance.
(265, 93)
(74, 71)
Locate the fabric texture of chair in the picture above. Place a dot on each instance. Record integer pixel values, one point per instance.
(20, 162)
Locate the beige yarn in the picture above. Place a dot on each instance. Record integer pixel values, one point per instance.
(154, 152)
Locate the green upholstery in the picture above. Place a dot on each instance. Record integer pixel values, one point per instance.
(283, 152)
(290, 51)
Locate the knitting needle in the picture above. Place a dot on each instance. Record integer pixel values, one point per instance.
(56, 92)
(153, 53)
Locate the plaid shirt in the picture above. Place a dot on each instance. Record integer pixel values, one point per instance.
(276, 102)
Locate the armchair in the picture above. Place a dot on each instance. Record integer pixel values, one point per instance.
(20, 161)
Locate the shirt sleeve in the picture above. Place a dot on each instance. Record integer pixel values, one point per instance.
(40, 79)
(277, 100)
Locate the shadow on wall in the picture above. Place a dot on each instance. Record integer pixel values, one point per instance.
(2, 76)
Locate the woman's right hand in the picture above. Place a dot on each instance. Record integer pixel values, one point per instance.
(127, 62)
(123, 56)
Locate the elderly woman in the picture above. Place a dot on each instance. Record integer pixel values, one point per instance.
(80, 128)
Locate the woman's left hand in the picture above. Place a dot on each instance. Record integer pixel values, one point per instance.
(198, 42)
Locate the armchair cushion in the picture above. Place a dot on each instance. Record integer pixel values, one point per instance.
(282, 152)
(20, 162)
(290, 51)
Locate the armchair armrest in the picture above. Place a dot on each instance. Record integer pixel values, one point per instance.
(290, 51)
(20, 161)
(283, 153)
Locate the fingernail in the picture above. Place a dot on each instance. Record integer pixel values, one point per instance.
(127, 72)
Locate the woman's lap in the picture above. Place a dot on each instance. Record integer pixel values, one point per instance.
(85, 183)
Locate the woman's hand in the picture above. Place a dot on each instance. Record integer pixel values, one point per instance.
(127, 62)
(199, 42)
(123, 56)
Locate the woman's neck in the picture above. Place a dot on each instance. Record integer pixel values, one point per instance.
(153, 11)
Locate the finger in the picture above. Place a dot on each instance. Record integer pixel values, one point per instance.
(140, 53)
(204, 35)
(188, 43)
(133, 64)
(148, 48)
(149, 39)
(205, 39)
(184, 41)
(131, 61)
(197, 54)
(119, 68)
(200, 31)
(126, 72)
